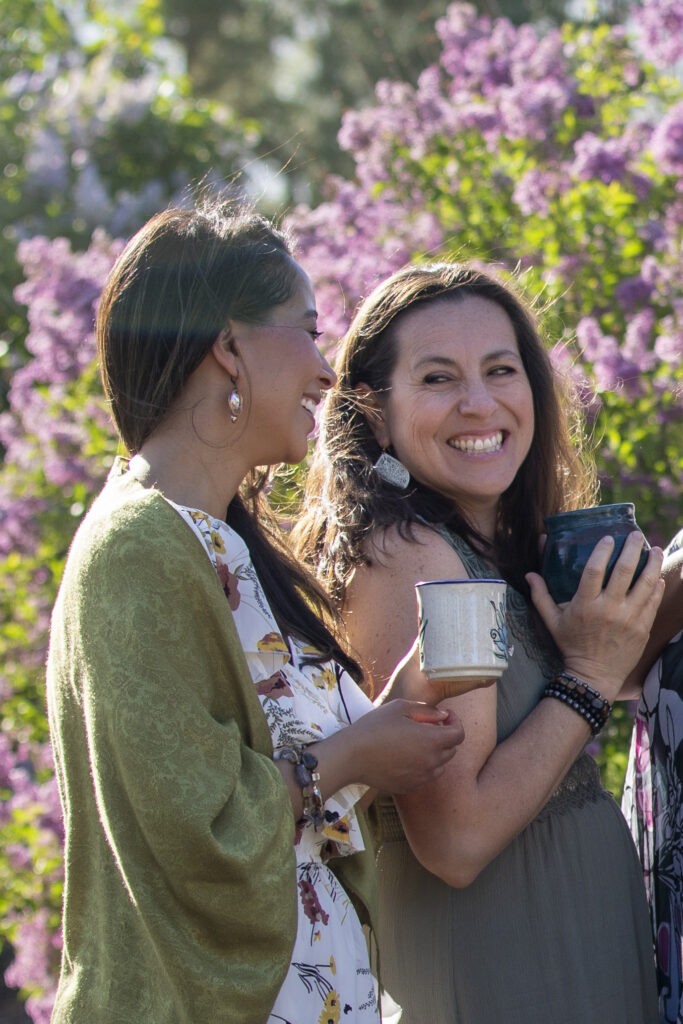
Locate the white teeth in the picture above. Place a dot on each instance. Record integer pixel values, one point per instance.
(309, 405)
(480, 444)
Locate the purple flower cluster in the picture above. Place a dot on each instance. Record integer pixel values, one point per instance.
(43, 427)
(509, 86)
(55, 434)
(358, 238)
(667, 141)
(36, 939)
(660, 24)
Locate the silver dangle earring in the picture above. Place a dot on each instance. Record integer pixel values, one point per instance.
(392, 471)
(234, 402)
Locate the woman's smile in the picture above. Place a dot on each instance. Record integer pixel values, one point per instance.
(478, 445)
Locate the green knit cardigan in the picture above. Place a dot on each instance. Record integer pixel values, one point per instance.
(180, 893)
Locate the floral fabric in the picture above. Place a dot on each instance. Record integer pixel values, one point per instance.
(329, 978)
(653, 805)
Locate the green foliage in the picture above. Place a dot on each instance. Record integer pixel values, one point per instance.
(99, 127)
(612, 755)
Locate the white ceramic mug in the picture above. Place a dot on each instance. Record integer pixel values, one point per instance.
(462, 628)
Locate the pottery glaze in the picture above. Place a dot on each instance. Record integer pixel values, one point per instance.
(571, 537)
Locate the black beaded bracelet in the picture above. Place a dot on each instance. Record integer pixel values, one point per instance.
(581, 697)
(306, 776)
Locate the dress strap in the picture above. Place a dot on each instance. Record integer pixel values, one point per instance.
(475, 566)
(521, 624)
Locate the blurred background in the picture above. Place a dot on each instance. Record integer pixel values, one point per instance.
(546, 138)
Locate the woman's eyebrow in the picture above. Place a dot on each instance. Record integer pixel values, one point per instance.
(439, 360)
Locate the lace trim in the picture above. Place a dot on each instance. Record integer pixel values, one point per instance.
(580, 786)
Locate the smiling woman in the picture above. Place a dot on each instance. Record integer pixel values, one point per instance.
(211, 742)
(509, 888)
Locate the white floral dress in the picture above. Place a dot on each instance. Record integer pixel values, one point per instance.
(653, 805)
(329, 979)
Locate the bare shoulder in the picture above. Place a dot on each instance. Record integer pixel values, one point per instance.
(380, 607)
(400, 553)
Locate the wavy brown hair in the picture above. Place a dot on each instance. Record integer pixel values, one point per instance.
(345, 500)
(170, 294)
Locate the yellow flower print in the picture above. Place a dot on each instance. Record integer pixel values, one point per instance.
(199, 517)
(330, 1011)
(272, 642)
(333, 966)
(217, 542)
(325, 678)
(338, 830)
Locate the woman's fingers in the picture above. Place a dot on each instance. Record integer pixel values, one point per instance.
(647, 582)
(626, 564)
(426, 713)
(593, 575)
(602, 630)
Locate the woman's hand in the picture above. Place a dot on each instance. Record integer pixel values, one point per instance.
(402, 745)
(396, 747)
(408, 681)
(601, 632)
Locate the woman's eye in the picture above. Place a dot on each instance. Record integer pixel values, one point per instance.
(316, 334)
(502, 371)
(436, 378)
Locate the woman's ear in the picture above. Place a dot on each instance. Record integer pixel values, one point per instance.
(369, 405)
(225, 353)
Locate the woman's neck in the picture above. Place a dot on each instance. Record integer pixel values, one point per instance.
(187, 474)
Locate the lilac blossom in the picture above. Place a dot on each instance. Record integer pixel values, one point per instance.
(632, 292)
(536, 189)
(604, 159)
(660, 24)
(667, 140)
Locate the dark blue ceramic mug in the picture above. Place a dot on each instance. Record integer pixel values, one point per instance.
(571, 537)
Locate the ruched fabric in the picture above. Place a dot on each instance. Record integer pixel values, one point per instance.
(555, 930)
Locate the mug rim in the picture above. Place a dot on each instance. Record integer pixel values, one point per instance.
(592, 508)
(469, 579)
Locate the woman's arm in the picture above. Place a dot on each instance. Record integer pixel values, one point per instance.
(489, 793)
(365, 751)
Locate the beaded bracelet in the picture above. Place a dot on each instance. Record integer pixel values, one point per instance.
(581, 697)
(306, 776)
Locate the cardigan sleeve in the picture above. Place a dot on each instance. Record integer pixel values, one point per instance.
(151, 698)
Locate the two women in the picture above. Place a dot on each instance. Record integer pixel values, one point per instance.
(186, 645)
(509, 886)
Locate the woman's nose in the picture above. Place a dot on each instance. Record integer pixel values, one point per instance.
(327, 376)
(476, 399)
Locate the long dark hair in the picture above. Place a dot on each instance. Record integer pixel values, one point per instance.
(170, 294)
(345, 500)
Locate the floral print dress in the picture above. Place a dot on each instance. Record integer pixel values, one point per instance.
(653, 805)
(329, 979)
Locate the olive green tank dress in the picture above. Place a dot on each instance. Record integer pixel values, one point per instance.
(555, 930)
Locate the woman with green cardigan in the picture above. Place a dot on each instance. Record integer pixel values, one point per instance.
(212, 746)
